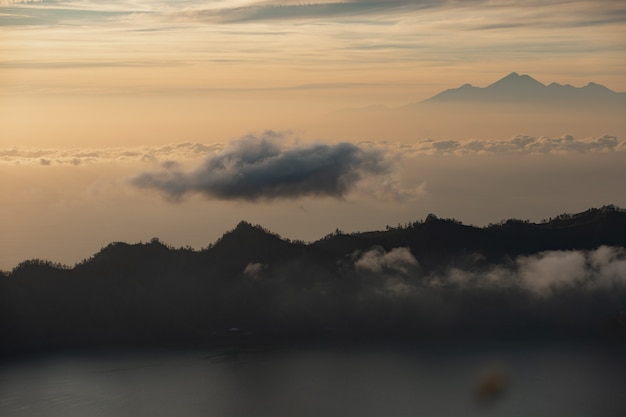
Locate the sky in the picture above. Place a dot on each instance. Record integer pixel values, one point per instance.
(126, 120)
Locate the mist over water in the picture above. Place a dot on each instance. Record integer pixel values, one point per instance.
(417, 379)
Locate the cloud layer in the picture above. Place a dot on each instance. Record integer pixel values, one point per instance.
(186, 151)
(258, 168)
(190, 151)
(520, 144)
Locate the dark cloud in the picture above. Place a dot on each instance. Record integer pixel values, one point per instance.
(257, 167)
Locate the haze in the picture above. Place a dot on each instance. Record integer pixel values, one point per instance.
(111, 115)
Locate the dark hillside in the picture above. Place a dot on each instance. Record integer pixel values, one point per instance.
(248, 243)
(430, 277)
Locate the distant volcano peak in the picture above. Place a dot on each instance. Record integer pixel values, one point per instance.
(516, 80)
(596, 86)
(522, 88)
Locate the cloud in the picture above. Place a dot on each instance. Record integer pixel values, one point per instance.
(487, 15)
(9, 2)
(253, 269)
(520, 144)
(186, 151)
(390, 270)
(47, 64)
(432, 16)
(32, 13)
(273, 10)
(190, 151)
(397, 260)
(258, 168)
(551, 14)
(544, 273)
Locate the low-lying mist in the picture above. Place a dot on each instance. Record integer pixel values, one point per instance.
(253, 286)
(380, 292)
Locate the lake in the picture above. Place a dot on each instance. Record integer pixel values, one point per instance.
(414, 379)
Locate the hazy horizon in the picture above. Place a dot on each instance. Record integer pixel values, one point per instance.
(130, 120)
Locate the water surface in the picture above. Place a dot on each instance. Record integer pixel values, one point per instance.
(411, 380)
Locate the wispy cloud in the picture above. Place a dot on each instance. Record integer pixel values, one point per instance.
(83, 64)
(552, 14)
(259, 168)
(53, 13)
(314, 38)
(480, 14)
(264, 11)
(9, 2)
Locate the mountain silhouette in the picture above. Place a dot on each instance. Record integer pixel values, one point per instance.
(255, 242)
(427, 278)
(514, 105)
(525, 89)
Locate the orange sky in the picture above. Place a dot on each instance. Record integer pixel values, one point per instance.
(121, 80)
(78, 73)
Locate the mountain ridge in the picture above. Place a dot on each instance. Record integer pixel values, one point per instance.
(523, 88)
(428, 278)
(264, 242)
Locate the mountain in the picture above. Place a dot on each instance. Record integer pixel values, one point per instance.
(425, 279)
(514, 105)
(516, 88)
